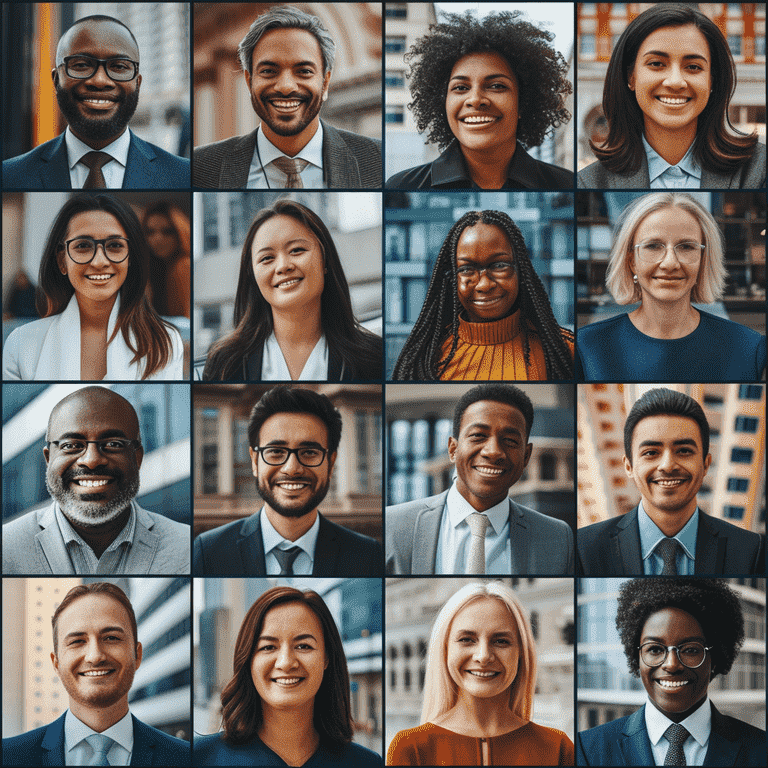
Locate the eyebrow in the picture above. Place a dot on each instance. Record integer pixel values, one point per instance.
(102, 435)
(492, 256)
(103, 631)
(657, 443)
(504, 633)
(307, 636)
(302, 444)
(487, 77)
(505, 430)
(679, 642)
(667, 55)
(290, 242)
(267, 63)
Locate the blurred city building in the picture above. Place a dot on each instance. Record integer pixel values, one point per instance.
(221, 97)
(221, 222)
(355, 604)
(420, 421)
(411, 608)
(416, 224)
(607, 691)
(163, 411)
(599, 26)
(225, 489)
(734, 487)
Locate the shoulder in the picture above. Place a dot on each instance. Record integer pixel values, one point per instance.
(594, 175)
(352, 756)
(409, 508)
(421, 734)
(724, 528)
(552, 176)
(168, 159)
(735, 332)
(551, 737)
(600, 328)
(23, 749)
(27, 522)
(354, 141)
(419, 177)
(22, 348)
(551, 524)
(753, 174)
(226, 535)
(589, 533)
(213, 750)
(164, 525)
(219, 148)
(170, 750)
(349, 537)
(18, 163)
(738, 730)
(592, 739)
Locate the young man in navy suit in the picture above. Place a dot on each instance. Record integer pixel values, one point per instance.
(96, 654)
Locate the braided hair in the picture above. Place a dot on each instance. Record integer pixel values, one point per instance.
(420, 358)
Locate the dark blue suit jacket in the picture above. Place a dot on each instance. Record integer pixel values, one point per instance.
(625, 742)
(45, 746)
(237, 549)
(46, 167)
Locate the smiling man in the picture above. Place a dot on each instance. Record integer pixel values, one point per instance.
(97, 84)
(475, 527)
(666, 446)
(96, 654)
(293, 437)
(93, 451)
(287, 57)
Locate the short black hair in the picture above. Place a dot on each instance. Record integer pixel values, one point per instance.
(710, 601)
(102, 17)
(497, 393)
(288, 399)
(664, 402)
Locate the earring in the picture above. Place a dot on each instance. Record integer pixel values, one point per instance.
(635, 279)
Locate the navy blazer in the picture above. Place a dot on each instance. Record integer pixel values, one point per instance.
(237, 549)
(47, 167)
(45, 746)
(612, 548)
(625, 742)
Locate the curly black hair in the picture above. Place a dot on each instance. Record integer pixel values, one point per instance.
(710, 601)
(540, 71)
(420, 360)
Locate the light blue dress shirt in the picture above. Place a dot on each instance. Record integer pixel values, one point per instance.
(685, 175)
(113, 171)
(77, 751)
(651, 535)
(699, 725)
(265, 152)
(271, 539)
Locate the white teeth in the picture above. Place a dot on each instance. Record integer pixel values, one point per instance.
(289, 283)
(482, 674)
(670, 100)
(99, 101)
(478, 119)
(100, 278)
(97, 673)
(292, 486)
(669, 483)
(92, 483)
(671, 684)
(286, 104)
(286, 680)
(489, 471)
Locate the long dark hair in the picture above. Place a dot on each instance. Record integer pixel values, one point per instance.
(420, 358)
(144, 331)
(242, 712)
(253, 322)
(714, 147)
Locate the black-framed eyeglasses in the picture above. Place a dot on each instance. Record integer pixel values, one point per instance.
(81, 67)
(82, 249)
(109, 446)
(691, 655)
(277, 455)
(499, 270)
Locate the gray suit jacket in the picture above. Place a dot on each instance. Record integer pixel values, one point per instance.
(751, 175)
(33, 545)
(350, 161)
(541, 545)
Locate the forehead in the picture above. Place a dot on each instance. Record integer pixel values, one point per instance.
(280, 229)
(486, 613)
(292, 619)
(287, 46)
(679, 220)
(666, 429)
(485, 236)
(91, 414)
(103, 39)
(676, 40)
(482, 65)
(670, 623)
(294, 428)
(93, 611)
(96, 223)
(498, 416)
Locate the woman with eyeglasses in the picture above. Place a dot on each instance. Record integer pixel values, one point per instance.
(486, 316)
(678, 635)
(667, 253)
(97, 324)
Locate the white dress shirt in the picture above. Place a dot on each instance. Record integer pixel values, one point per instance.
(265, 152)
(77, 751)
(274, 367)
(651, 535)
(114, 170)
(662, 175)
(698, 725)
(271, 539)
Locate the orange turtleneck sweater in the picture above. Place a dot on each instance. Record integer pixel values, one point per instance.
(495, 351)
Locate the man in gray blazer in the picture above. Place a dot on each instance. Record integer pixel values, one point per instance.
(474, 527)
(287, 57)
(93, 452)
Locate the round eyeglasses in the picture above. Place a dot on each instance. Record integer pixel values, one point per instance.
(109, 446)
(499, 270)
(82, 67)
(690, 655)
(654, 251)
(277, 455)
(82, 249)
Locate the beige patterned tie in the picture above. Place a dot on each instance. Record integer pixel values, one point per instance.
(476, 561)
(291, 167)
(94, 162)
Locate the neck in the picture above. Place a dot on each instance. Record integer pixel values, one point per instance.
(472, 715)
(291, 145)
(671, 145)
(290, 733)
(678, 717)
(488, 168)
(94, 315)
(671, 320)
(100, 718)
(670, 523)
(299, 328)
(290, 528)
(98, 144)
(99, 537)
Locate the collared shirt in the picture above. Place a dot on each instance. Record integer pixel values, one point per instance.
(453, 541)
(699, 725)
(83, 558)
(271, 539)
(77, 751)
(651, 535)
(113, 171)
(274, 367)
(265, 152)
(685, 175)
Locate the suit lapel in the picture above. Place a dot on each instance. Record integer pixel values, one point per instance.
(237, 164)
(519, 540)
(710, 548)
(723, 748)
(56, 559)
(143, 752)
(54, 170)
(634, 743)
(250, 547)
(52, 745)
(327, 550)
(625, 546)
(339, 164)
(714, 180)
(145, 544)
(426, 533)
(138, 169)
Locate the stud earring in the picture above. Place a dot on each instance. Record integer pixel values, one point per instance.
(635, 278)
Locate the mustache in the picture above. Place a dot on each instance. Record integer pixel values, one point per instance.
(282, 97)
(73, 474)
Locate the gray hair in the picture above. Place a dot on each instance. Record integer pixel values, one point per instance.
(286, 17)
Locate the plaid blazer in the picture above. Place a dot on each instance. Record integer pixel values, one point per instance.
(350, 161)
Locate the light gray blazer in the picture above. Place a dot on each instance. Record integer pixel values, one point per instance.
(541, 545)
(33, 545)
(750, 175)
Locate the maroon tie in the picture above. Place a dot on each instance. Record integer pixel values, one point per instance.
(94, 162)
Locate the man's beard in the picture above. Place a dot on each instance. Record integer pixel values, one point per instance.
(311, 111)
(88, 509)
(96, 129)
(311, 504)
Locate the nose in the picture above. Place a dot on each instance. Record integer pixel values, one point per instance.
(94, 653)
(666, 461)
(92, 456)
(483, 652)
(675, 77)
(292, 464)
(475, 96)
(100, 78)
(492, 448)
(100, 256)
(671, 663)
(670, 257)
(283, 263)
(286, 82)
(285, 657)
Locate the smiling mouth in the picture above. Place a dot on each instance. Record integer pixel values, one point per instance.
(483, 675)
(673, 101)
(672, 685)
(286, 105)
(97, 672)
(670, 482)
(289, 283)
(293, 486)
(92, 483)
(486, 302)
(287, 682)
(99, 278)
(478, 119)
(489, 471)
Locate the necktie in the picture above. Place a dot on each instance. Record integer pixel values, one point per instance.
(476, 561)
(676, 736)
(94, 161)
(101, 745)
(286, 557)
(291, 167)
(666, 549)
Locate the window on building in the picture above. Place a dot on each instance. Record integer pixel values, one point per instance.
(394, 44)
(734, 43)
(211, 317)
(393, 680)
(148, 419)
(587, 45)
(407, 679)
(396, 10)
(733, 512)
(738, 484)
(535, 624)
(406, 651)
(395, 114)
(750, 392)
(746, 424)
(741, 455)
(394, 78)
(210, 223)
(593, 718)
(547, 467)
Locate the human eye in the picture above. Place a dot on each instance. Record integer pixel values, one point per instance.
(688, 247)
(497, 86)
(274, 454)
(116, 244)
(266, 647)
(654, 246)
(466, 271)
(113, 446)
(309, 453)
(80, 65)
(71, 446)
(655, 651)
(83, 244)
(305, 647)
(459, 87)
(265, 259)
(119, 65)
(648, 453)
(299, 249)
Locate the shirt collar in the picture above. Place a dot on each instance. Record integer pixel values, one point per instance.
(699, 724)
(118, 149)
(270, 538)
(69, 534)
(651, 534)
(459, 509)
(658, 165)
(76, 730)
(312, 151)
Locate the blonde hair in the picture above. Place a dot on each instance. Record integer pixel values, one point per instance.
(440, 691)
(710, 282)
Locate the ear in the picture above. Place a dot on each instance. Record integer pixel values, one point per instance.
(139, 453)
(55, 76)
(254, 461)
(55, 662)
(528, 449)
(46, 454)
(331, 462)
(453, 444)
(139, 654)
(631, 80)
(247, 76)
(326, 81)
(61, 260)
(628, 466)
(707, 463)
